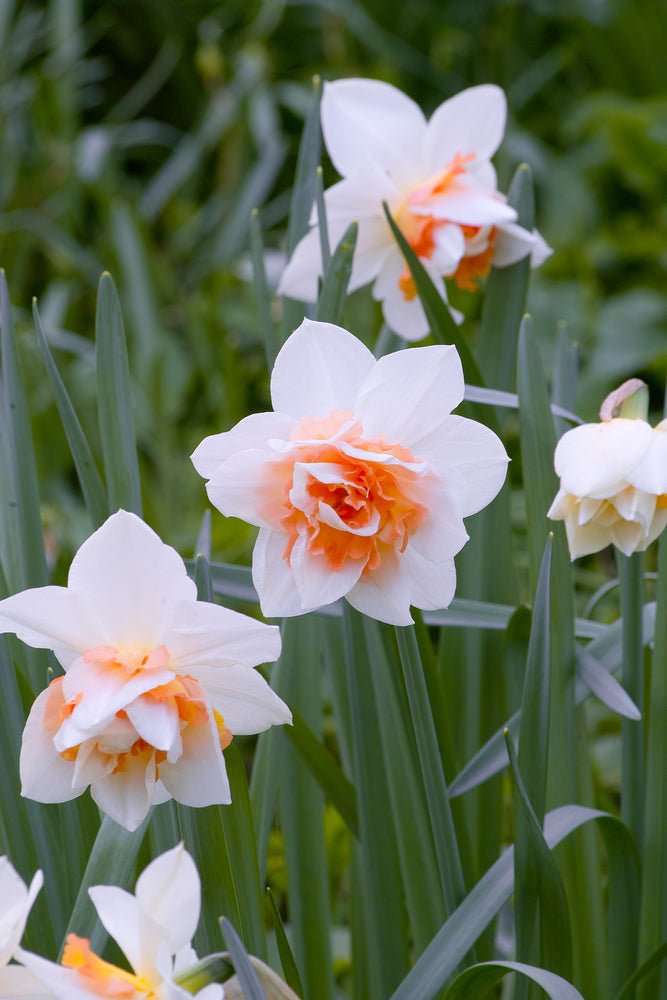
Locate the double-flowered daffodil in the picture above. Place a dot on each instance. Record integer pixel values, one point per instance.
(153, 928)
(438, 182)
(16, 899)
(360, 479)
(156, 683)
(613, 478)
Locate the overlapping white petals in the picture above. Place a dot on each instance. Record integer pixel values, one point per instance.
(365, 498)
(613, 485)
(16, 900)
(153, 928)
(438, 182)
(132, 717)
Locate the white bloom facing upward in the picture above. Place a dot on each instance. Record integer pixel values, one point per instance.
(613, 482)
(153, 927)
(437, 179)
(360, 479)
(16, 900)
(155, 685)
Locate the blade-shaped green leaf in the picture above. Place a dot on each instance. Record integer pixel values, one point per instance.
(337, 277)
(90, 481)
(458, 935)
(114, 402)
(248, 978)
(440, 320)
(479, 980)
(262, 294)
(287, 960)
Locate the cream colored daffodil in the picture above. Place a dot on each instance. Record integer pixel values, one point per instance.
(613, 480)
(438, 182)
(156, 683)
(153, 928)
(360, 479)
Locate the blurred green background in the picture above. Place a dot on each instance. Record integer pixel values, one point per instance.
(138, 136)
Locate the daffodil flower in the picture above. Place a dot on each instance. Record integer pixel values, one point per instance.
(153, 928)
(16, 900)
(360, 479)
(613, 480)
(156, 682)
(437, 180)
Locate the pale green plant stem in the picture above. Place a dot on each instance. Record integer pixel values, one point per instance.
(632, 772)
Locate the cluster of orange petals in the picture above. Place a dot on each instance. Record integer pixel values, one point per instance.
(183, 695)
(420, 230)
(369, 492)
(103, 978)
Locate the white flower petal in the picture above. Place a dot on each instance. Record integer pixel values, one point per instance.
(468, 207)
(385, 593)
(244, 699)
(471, 448)
(128, 795)
(15, 981)
(359, 196)
(199, 777)
(17, 901)
(470, 122)
(65, 984)
(651, 473)
(317, 582)
(435, 379)
(131, 578)
(121, 917)
(443, 533)
(319, 369)
(156, 722)
(169, 892)
(45, 776)
(242, 487)
(207, 635)
(251, 432)
(513, 243)
(596, 460)
(369, 120)
(450, 246)
(272, 576)
(51, 618)
(103, 693)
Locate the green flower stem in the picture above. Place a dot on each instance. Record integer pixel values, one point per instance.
(632, 781)
(653, 911)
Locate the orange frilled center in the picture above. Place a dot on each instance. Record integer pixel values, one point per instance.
(182, 695)
(364, 508)
(100, 977)
(421, 231)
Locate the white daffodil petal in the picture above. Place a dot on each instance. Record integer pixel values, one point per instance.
(435, 377)
(117, 570)
(513, 243)
(471, 448)
(16, 981)
(45, 776)
(272, 576)
(209, 635)
(244, 699)
(318, 370)
(468, 208)
(369, 120)
(17, 901)
(251, 432)
(384, 594)
(121, 917)
(470, 122)
(592, 459)
(651, 473)
(317, 581)
(199, 777)
(128, 795)
(51, 618)
(169, 892)
(243, 487)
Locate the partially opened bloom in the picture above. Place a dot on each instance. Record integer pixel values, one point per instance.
(153, 928)
(437, 179)
(16, 900)
(360, 479)
(613, 482)
(156, 683)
